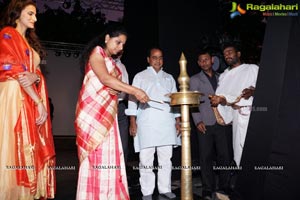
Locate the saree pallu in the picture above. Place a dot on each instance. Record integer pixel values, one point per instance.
(27, 151)
(102, 172)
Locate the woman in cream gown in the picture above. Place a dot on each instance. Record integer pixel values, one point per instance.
(27, 157)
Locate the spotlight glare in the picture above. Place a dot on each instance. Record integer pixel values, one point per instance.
(57, 53)
(75, 55)
(67, 54)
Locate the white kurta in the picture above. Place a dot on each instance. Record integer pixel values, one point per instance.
(231, 84)
(155, 121)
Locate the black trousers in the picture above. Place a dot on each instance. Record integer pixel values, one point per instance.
(124, 127)
(214, 148)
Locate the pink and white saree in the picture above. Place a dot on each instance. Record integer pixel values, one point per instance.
(102, 172)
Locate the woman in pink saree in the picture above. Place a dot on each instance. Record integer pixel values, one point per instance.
(102, 172)
(26, 144)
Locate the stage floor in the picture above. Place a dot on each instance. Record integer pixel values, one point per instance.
(67, 172)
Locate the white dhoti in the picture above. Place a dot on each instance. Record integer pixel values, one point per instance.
(239, 132)
(231, 85)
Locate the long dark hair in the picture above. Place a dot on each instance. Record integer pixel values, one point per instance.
(113, 30)
(13, 12)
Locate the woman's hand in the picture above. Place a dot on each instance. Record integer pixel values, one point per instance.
(141, 96)
(27, 78)
(42, 114)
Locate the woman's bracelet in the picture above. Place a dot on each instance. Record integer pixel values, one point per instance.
(38, 102)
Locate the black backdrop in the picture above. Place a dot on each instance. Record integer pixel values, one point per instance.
(274, 134)
(274, 128)
(173, 25)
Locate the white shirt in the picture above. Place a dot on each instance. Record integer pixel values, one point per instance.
(231, 84)
(155, 121)
(122, 68)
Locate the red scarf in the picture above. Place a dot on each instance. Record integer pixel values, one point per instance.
(15, 57)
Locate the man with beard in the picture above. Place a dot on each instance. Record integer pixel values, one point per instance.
(234, 96)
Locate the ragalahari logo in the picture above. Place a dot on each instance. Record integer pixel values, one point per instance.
(236, 10)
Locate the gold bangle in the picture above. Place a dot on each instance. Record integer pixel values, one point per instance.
(38, 102)
(38, 79)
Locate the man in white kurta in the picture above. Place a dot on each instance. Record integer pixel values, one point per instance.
(153, 126)
(239, 79)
